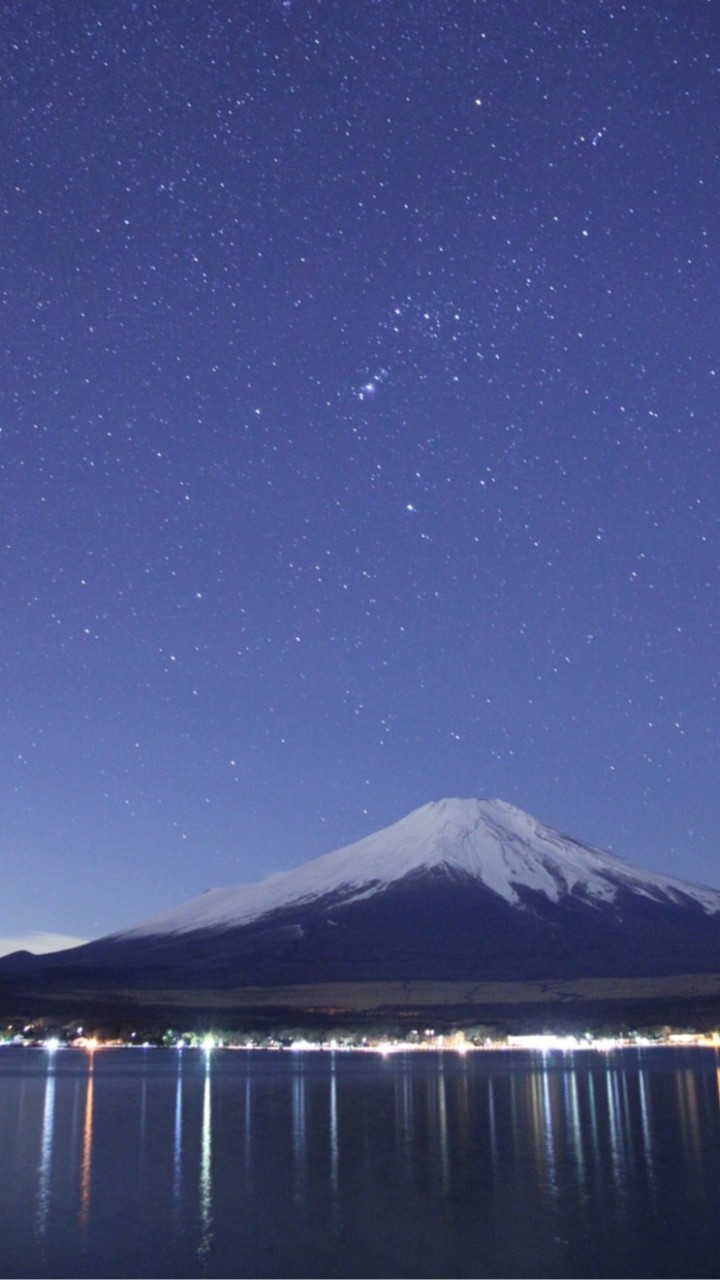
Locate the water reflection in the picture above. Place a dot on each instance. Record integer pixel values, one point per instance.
(592, 1113)
(647, 1146)
(177, 1134)
(205, 1182)
(534, 1115)
(298, 1127)
(87, 1145)
(442, 1127)
(616, 1134)
(492, 1123)
(404, 1105)
(445, 1156)
(334, 1148)
(46, 1146)
(686, 1087)
(572, 1112)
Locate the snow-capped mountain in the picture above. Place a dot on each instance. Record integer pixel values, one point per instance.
(489, 841)
(458, 890)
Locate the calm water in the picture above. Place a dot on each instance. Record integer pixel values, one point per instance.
(157, 1163)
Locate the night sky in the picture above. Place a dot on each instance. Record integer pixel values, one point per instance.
(359, 434)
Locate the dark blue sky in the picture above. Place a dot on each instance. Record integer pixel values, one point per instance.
(359, 433)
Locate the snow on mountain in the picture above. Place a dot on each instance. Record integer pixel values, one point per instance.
(492, 841)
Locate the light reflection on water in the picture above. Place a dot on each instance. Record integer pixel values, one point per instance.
(205, 1181)
(252, 1163)
(87, 1144)
(334, 1146)
(48, 1119)
(298, 1127)
(617, 1147)
(442, 1128)
(177, 1133)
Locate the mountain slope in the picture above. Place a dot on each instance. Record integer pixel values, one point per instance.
(490, 841)
(460, 889)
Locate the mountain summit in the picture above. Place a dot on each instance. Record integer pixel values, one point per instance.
(458, 890)
(490, 842)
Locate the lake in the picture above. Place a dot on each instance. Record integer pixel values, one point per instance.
(144, 1162)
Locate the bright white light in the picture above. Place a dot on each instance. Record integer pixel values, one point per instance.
(208, 1043)
(544, 1042)
(52, 1044)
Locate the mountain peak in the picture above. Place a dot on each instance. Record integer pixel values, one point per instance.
(492, 842)
(459, 889)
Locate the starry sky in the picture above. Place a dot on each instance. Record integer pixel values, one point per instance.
(359, 434)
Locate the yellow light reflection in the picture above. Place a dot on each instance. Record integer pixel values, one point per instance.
(86, 1167)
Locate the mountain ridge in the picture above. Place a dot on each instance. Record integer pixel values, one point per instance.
(493, 841)
(458, 890)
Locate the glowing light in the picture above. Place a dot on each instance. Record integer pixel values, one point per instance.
(209, 1043)
(52, 1045)
(545, 1042)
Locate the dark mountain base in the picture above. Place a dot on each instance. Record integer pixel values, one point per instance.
(437, 926)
